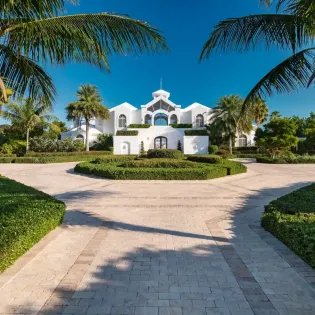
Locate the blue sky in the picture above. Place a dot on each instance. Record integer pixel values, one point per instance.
(186, 25)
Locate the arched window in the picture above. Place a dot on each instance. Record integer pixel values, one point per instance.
(242, 141)
(173, 119)
(147, 119)
(80, 137)
(160, 119)
(122, 121)
(160, 143)
(199, 121)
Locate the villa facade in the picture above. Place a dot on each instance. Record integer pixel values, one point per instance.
(164, 118)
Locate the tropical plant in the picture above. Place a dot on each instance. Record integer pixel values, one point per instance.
(290, 28)
(88, 106)
(260, 111)
(216, 133)
(35, 31)
(278, 136)
(142, 150)
(104, 142)
(228, 115)
(26, 115)
(274, 115)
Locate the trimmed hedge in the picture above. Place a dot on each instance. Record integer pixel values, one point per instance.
(26, 215)
(291, 219)
(127, 132)
(299, 201)
(159, 163)
(213, 149)
(252, 149)
(7, 155)
(35, 154)
(283, 160)
(248, 155)
(164, 154)
(50, 159)
(181, 125)
(197, 132)
(211, 159)
(114, 172)
(114, 159)
(234, 167)
(139, 126)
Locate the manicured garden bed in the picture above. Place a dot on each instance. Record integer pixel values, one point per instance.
(298, 159)
(291, 219)
(26, 215)
(133, 168)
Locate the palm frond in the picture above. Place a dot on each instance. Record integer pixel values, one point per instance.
(32, 8)
(24, 75)
(89, 38)
(289, 75)
(246, 33)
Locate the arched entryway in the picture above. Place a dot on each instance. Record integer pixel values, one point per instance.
(160, 143)
(125, 148)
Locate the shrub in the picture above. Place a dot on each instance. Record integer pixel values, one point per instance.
(114, 159)
(291, 219)
(211, 159)
(7, 155)
(160, 163)
(6, 160)
(213, 149)
(113, 172)
(181, 125)
(41, 144)
(127, 132)
(296, 231)
(197, 132)
(252, 149)
(139, 126)
(17, 147)
(104, 142)
(298, 159)
(165, 154)
(26, 215)
(234, 167)
(99, 153)
(179, 146)
(142, 150)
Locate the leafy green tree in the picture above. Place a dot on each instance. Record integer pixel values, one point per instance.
(104, 142)
(26, 115)
(301, 125)
(260, 111)
(216, 133)
(88, 106)
(227, 114)
(278, 136)
(291, 28)
(38, 30)
(274, 115)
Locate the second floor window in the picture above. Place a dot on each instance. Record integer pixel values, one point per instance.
(199, 121)
(122, 121)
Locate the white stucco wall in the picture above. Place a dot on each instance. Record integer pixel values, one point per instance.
(196, 144)
(126, 145)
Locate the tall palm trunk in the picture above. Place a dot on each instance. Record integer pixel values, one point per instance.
(27, 138)
(230, 144)
(87, 129)
(258, 123)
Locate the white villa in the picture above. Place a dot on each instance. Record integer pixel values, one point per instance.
(160, 113)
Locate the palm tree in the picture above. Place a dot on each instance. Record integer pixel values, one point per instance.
(260, 111)
(26, 115)
(274, 115)
(227, 114)
(291, 29)
(88, 106)
(38, 31)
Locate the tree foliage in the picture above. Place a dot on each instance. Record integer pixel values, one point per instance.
(290, 28)
(38, 31)
(278, 136)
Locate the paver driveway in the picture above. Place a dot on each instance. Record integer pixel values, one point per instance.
(151, 247)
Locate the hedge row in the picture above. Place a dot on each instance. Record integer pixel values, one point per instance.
(291, 219)
(26, 215)
(234, 167)
(159, 163)
(282, 160)
(49, 159)
(32, 154)
(197, 132)
(139, 126)
(211, 159)
(127, 132)
(114, 159)
(164, 154)
(181, 125)
(114, 172)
